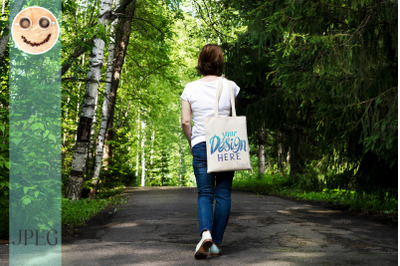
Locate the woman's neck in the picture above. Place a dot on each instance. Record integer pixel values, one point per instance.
(209, 78)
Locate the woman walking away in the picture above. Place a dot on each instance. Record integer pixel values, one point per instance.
(198, 98)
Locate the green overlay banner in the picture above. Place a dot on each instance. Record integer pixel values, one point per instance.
(35, 130)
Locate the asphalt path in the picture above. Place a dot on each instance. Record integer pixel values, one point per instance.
(158, 226)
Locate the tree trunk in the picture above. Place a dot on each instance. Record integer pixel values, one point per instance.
(281, 151)
(76, 178)
(79, 98)
(181, 155)
(288, 159)
(138, 142)
(153, 136)
(64, 137)
(123, 33)
(5, 37)
(261, 158)
(143, 181)
(261, 148)
(268, 161)
(296, 155)
(3, 7)
(104, 115)
(92, 145)
(3, 44)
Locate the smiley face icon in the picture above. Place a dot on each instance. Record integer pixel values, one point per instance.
(35, 30)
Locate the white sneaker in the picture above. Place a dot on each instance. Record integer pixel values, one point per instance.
(203, 247)
(215, 251)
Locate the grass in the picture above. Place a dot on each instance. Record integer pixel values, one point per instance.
(77, 213)
(351, 200)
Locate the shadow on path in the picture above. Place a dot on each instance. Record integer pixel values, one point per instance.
(158, 226)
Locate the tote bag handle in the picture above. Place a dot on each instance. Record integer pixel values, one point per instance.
(219, 92)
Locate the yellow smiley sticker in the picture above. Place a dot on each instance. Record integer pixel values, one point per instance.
(35, 30)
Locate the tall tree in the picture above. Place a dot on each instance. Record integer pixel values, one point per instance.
(261, 148)
(104, 113)
(76, 178)
(331, 71)
(123, 33)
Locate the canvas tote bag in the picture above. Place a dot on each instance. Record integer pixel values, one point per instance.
(226, 138)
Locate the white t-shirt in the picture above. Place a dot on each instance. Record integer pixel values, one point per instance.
(201, 96)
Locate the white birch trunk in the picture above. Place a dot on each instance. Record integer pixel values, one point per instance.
(180, 153)
(138, 143)
(79, 97)
(104, 113)
(3, 44)
(153, 135)
(143, 154)
(152, 146)
(76, 177)
(92, 142)
(66, 118)
(4, 39)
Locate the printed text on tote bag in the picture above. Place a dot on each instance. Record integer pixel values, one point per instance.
(230, 144)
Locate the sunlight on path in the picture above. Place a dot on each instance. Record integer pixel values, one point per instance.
(158, 226)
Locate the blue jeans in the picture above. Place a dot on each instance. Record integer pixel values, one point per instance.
(216, 186)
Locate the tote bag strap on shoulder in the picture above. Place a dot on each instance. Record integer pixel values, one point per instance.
(219, 92)
(226, 137)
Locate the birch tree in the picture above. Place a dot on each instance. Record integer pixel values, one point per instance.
(76, 177)
(153, 135)
(181, 155)
(126, 12)
(138, 142)
(104, 113)
(3, 43)
(5, 32)
(142, 145)
(116, 58)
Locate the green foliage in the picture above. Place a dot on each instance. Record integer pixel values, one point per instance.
(36, 196)
(35, 161)
(76, 213)
(4, 152)
(323, 73)
(320, 75)
(271, 183)
(119, 170)
(278, 185)
(4, 130)
(147, 108)
(350, 199)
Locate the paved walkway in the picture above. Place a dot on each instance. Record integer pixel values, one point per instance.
(158, 226)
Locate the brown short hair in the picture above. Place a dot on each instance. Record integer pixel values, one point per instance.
(211, 60)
